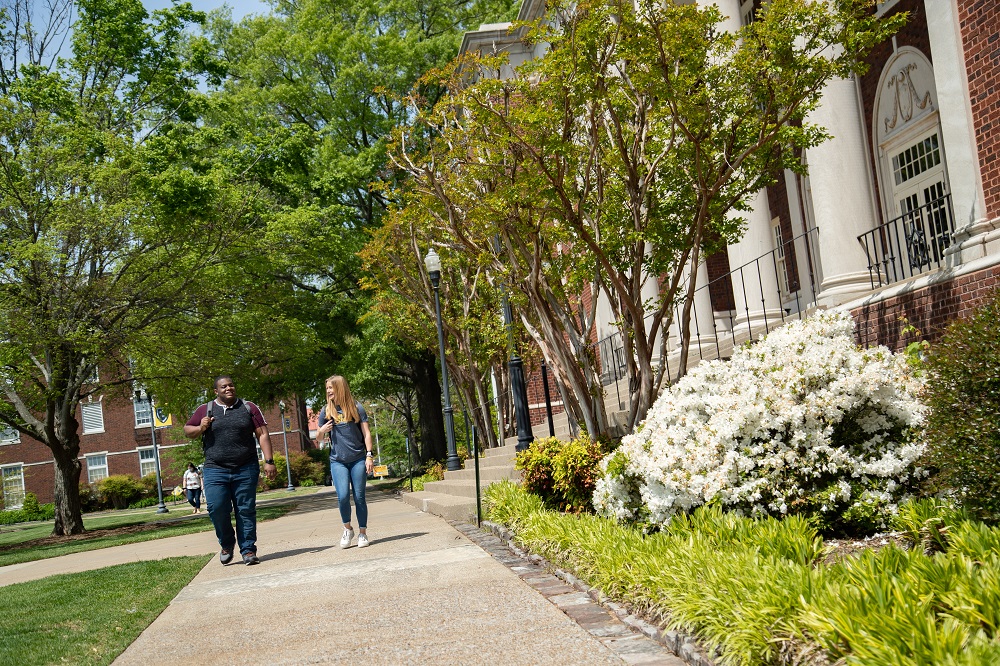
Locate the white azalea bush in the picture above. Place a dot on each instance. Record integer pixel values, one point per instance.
(801, 422)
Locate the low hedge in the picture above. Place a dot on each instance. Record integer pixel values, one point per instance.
(764, 592)
(29, 511)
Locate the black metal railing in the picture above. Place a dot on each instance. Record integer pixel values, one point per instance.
(750, 276)
(910, 244)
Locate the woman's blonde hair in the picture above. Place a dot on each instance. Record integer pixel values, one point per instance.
(342, 398)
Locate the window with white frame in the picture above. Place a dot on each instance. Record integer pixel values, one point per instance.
(13, 486)
(746, 12)
(147, 462)
(9, 435)
(143, 413)
(92, 417)
(779, 255)
(97, 467)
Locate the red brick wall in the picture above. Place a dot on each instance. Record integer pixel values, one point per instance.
(979, 21)
(777, 199)
(914, 34)
(929, 310)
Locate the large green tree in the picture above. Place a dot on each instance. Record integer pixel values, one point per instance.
(113, 225)
(313, 90)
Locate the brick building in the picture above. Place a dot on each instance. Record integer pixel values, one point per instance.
(898, 220)
(115, 438)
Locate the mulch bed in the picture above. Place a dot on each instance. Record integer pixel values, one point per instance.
(89, 534)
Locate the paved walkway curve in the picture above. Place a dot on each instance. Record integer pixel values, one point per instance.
(422, 593)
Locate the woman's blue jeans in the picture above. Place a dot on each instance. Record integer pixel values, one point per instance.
(229, 491)
(345, 477)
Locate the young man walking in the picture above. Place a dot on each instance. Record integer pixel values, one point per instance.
(227, 426)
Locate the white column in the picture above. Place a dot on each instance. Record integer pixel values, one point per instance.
(961, 152)
(841, 194)
(755, 283)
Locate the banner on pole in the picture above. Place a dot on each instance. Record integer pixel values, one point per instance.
(161, 419)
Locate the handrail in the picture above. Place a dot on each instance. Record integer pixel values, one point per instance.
(909, 244)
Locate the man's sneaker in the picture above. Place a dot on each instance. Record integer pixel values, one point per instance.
(345, 541)
(250, 558)
(225, 556)
(362, 540)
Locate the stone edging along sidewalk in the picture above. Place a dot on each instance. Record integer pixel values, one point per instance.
(684, 646)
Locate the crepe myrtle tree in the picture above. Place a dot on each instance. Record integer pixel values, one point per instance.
(625, 154)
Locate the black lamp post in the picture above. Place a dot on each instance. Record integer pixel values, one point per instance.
(433, 264)
(284, 435)
(142, 395)
(516, 368)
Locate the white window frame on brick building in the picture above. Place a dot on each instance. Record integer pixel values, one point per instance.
(92, 417)
(97, 467)
(13, 485)
(147, 461)
(143, 413)
(9, 435)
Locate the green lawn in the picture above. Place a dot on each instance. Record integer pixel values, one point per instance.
(30, 553)
(88, 617)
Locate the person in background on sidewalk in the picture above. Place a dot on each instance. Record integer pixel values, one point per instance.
(230, 428)
(344, 423)
(192, 487)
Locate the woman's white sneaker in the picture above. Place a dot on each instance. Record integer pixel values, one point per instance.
(345, 541)
(362, 540)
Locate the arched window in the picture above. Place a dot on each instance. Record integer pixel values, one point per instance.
(913, 179)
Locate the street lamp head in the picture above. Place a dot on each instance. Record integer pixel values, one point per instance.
(281, 405)
(432, 262)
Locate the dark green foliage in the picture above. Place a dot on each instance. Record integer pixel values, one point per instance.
(119, 490)
(30, 510)
(563, 474)
(305, 471)
(963, 426)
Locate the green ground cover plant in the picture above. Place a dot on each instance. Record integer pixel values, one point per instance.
(770, 590)
(88, 617)
(35, 543)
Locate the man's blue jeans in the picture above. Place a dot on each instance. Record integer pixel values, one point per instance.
(233, 491)
(346, 477)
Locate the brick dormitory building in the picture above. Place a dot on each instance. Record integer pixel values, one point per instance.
(116, 438)
(898, 220)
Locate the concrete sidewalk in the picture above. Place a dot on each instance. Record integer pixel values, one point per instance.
(422, 593)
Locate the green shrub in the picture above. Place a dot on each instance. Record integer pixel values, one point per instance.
(535, 464)
(963, 426)
(147, 485)
(144, 502)
(30, 510)
(90, 498)
(305, 469)
(563, 474)
(119, 490)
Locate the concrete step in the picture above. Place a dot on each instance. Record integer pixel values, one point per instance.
(448, 507)
(492, 473)
(461, 488)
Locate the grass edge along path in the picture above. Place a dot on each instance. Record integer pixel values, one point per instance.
(164, 530)
(761, 591)
(88, 617)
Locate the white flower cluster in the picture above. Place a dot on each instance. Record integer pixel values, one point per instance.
(804, 420)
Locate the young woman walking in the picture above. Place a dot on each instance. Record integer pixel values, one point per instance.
(344, 424)
(193, 487)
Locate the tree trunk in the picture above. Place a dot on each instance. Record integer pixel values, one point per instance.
(428, 392)
(69, 513)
